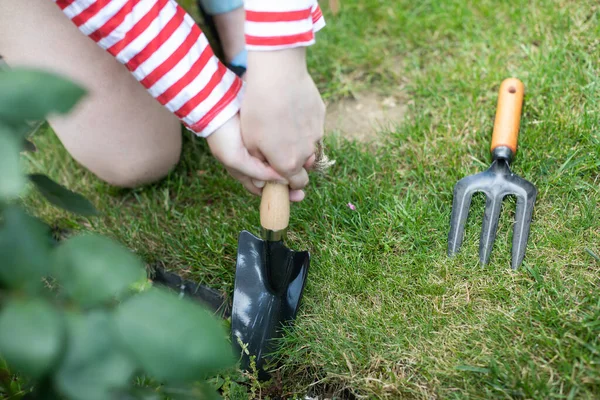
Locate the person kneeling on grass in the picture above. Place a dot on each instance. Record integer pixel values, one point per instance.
(148, 68)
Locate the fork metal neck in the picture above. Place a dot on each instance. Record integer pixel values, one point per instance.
(502, 153)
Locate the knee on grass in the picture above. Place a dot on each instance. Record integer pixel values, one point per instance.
(131, 173)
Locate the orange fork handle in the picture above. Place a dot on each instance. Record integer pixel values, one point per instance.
(508, 114)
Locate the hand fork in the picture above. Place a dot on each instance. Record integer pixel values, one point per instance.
(497, 182)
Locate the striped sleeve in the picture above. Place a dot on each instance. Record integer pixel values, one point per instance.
(165, 50)
(278, 24)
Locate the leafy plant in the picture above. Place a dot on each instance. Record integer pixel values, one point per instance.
(79, 319)
(30, 95)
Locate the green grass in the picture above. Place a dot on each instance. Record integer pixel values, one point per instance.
(385, 312)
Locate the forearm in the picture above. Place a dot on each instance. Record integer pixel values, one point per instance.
(277, 35)
(166, 52)
(286, 62)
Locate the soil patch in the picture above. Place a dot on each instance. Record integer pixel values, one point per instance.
(366, 117)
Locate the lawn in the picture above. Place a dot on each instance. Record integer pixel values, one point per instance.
(386, 314)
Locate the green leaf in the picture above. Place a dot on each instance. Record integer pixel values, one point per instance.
(23, 129)
(94, 269)
(31, 336)
(206, 392)
(237, 391)
(63, 197)
(200, 390)
(33, 128)
(137, 393)
(32, 94)
(24, 250)
(94, 366)
(12, 177)
(173, 339)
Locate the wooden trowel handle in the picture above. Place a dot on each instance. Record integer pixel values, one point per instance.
(275, 207)
(508, 114)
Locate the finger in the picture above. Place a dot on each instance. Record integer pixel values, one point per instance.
(251, 188)
(257, 154)
(309, 164)
(254, 168)
(298, 181)
(258, 184)
(296, 195)
(246, 182)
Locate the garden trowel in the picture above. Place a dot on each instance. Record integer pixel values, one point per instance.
(269, 281)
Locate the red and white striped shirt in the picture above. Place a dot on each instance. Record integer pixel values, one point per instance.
(280, 24)
(164, 49)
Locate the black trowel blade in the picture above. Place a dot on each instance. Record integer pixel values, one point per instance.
(269, 281)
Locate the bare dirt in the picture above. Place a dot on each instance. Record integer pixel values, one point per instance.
(366, 117)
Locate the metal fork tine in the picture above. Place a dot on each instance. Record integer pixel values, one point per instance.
(522, 226)
(497, 182)
(460, 211)
(493, 205)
